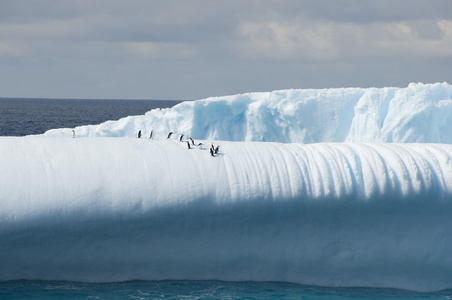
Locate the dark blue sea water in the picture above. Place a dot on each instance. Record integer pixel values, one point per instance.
(19, 117)
(197, 290)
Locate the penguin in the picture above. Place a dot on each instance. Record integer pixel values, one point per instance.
(169, 135)
(188, 145)
(217, 149)
(200, 146)
(192, 141)
(211, 151)
(212, 147)
(152, 133)
(73, 133)
(181, 137)
(139, 134)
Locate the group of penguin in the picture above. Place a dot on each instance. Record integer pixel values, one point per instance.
(213, 150)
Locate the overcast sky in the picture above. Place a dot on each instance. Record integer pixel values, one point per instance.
(145, 49)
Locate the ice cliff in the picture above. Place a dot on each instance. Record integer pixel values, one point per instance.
(417, 113)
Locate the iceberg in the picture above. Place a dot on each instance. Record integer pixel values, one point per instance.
(419, 113)
(331, 214)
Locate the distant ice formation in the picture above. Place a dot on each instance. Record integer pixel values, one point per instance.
(417, 113)
(331, 214)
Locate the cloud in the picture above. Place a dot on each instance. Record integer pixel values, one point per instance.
(347, 41)
(398, 41)
(284, 42)
(209, 48)
(371, 11)
(12, 49)
(150, 50)
(446, 28)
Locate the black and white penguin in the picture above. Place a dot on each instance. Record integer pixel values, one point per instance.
(212, 147)
(192, 141)
(216, 149)
(139, 134)
(211, 151)
(200, 146)
(169, 135)
(73, 133)
(152, 133)
(181, 137)
(188, 145)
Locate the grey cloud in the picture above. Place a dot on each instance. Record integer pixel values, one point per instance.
(191, 49)
(158, 21)
(369, 11)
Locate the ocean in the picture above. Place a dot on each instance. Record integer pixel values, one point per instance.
(20, 117)
(197, 290)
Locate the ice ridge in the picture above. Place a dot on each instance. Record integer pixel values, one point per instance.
(417, 113)
(331, 214)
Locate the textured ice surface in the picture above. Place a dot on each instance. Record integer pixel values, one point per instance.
(417, 113)
(333, 214)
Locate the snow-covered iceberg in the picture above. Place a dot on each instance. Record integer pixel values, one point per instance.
(332, 214)
(417, 113)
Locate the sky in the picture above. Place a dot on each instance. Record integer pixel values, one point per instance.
(187, 50)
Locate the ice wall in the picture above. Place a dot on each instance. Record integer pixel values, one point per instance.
(347, 214)
(417, 113)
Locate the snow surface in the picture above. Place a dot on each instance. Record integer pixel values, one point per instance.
(331, 214)
(417, 113)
